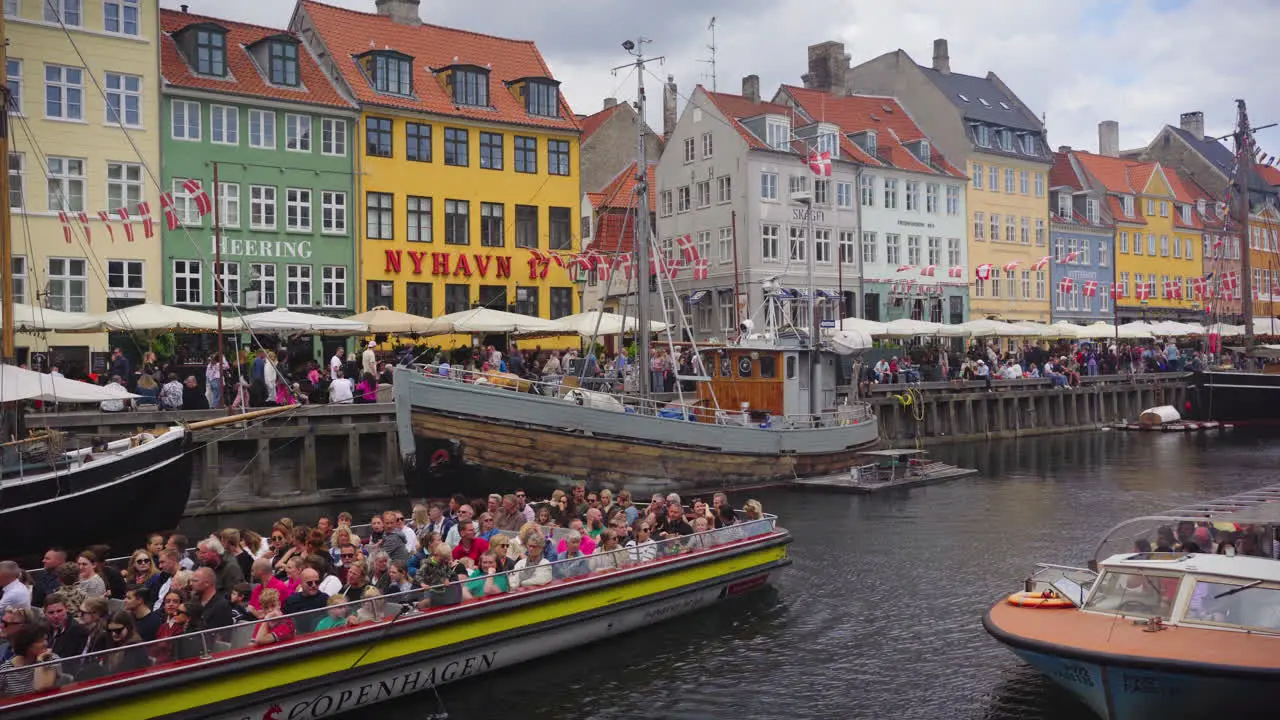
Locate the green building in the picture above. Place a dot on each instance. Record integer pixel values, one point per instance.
(250, 104)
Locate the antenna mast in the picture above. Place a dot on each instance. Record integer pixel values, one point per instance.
(712, 47)
(1245, 149)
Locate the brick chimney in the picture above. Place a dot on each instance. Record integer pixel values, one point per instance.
(1109, 138)
(610, 102)
(941, 58)
(828, 63)
(751, 88)
(403, 12)
(1193, 122)
(669, 96)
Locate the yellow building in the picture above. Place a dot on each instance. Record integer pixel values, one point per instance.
(69, 153)
(1159, 237)
(467, 162)
(1008, 208)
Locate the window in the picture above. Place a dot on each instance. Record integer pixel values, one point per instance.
(124, 99)
(1127, 203)
(297, 209)
(262, 129)
(333, 286)
(229, 202)
(977, 176)
(211, 52)
(333, 136)
(1026, 283)
(1177, 247)
(995, 227)
(124, 278)
(682, 199)
(392, 73)
(664, 201)
(983, 134)
(542, 98)
(778, 133)
(66, 184)
(1151, 207)
(224, 125)
(1124, 242)
(821, 245)
(931, 198)
(797, 244)
(1151, 244)
(417, 299)
(867, 190)
(706, 145)
(17, 194)
(1039, 184)
(379, 217)
(297, 285)
(725, 244)
(558, 157)
(455, 147)
(890, 193)
(471, 87)
(1104, 300)
(1008, 180)
(526, 226)
(689, 149)
(844, 194)
(980, 287)
(704, 193)
(527, 301)
(124, 185)
(1164, 208)
(1190, 248)
(185, 120)
(995, 283)
(770, 243)
(935, 251)
(797, 184)
(526, 152)
(1040, 280)
(913, 249)
(993, 179)
(1024, 182)
(13, 73)
(893, 248)
(1104, 254)
(768, 186)
(457, 222)
(1064, 205)
(333, 212)
(1006, 141)
(186, 282)
(226, 282)
(1137, 243)
(418, 142)
(913, 196)
(64, 93)
(492, 224)
(980, 226)
(377, 137)
(561, 228)
(724, 189)
(1059, 249)
(1010, 228)
(284, 63)
(1025, 231)
(1040, 231)
(262, 207)
(953, 252)
(456, 298)
(263, 275)
(953, 200)
(490, 151)
(1164, 246)
(561, 301)
(120, 16)
(18, 269)
(297, 132)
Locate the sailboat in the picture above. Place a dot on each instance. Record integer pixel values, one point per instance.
(765, 411)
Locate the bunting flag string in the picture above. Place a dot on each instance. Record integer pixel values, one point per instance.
(204, 205)
(1011, 266)
(983, 271)
(66, 225)
(127, 223)
(1041, 263)
(148, 225)
(928, 270)
(701, 269)
(106, 220)
(83, 218)
(689, 249)
(1090, 288)
(956, 271)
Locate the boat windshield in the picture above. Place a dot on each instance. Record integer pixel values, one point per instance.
(1246, 605)
(1134, 593)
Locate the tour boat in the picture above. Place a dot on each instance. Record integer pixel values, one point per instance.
(1159, 634)
(1234, 396)
(401, 650)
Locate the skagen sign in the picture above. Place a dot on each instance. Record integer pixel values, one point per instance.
(287, 249)
(803, 214)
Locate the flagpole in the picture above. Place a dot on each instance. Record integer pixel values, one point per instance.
(218, 287)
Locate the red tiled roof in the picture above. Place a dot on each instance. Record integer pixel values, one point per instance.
(885, 115)
(1117, 211)
(591, 123)
(615, 219)
(347, 34)
(1186, 192)
(1114, 173)
(1268, 173)
(620, 193)
(243, 76)
(595, 199)
(1063, 174)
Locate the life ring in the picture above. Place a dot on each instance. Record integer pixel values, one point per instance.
(1046, 600)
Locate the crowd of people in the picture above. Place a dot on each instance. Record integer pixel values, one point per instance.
(96, 617)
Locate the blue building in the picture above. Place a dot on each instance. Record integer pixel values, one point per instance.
(1082, 247)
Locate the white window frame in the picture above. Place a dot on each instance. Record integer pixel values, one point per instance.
(297, 285)
(262, 202)
(913, 196)
(333, 137)
(129, 271)
(953, 200)
(953, 252)
(777, 133)
(822, 245)
(869, 248)
(18, 271)
(297, 133)
(977, 176)
(127, 185)
(702, 241)
(890, 193)
(1009, 181)
(71, 185)
(17, 181)
(122, 94)
(229, 204)
(702, 194)
(847, 247)
(725, 244)
(228, 274)
(690, 150)
(191, 275)
(1040, 234)
(67, 290)
(184, 204)
(67, 90)
(821, 191)
(844, 194)
(724, 189)
(224, 125)
(186, 130)
(1024, 182)
(333, 286)
(933, 250)
(931, 198)
(122, 17)
(797, 243)
(266, 128)
(893, 248)
(708, 145)
(770, 242)
(265, 275)
(333, 212)
(665, 203)
(1064, 205)
(70, 12)
(13, 75)
(1039, 184)
(684, 199)
(867, 190)
(913, 250)
(980, 226)
(297, 210)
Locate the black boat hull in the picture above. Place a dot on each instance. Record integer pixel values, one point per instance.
(116, 503)
(1234, 397)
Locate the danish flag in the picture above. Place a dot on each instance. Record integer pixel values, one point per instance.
(956, 271)
(1041, 263)
(170, 215)
(1230, 280)
(66, 225)
(701, 269)
(1069, 257)
(1090, 288)
(1117, 291)
(904, 268)
(83, 218)
(204, 205)
(128, 223)
(1142, 290)
(603, 269)
(691, 254)
(148, 225)
(1197, 287)
(820, 162)
(1066, 285)
(928, 270)
(558, 259)
(106, 220)
(983, 271)
(1011, 266)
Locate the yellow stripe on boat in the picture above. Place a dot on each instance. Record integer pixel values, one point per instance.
(338, 661)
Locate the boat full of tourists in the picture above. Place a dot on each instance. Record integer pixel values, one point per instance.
(345, 657)
(1190, 629)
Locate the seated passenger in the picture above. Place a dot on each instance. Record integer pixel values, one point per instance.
(500, 547)
(336, 616)
(642, 548)
(129, 653)
(175, 624)
(533, 569)
(572, 562)
(609, 555)
(371, 610)
(673, 524)
(469, 544)
(274, 627)
(30, 647)
(308, 597)
(439, 576)
(587, 546)
(487, 579)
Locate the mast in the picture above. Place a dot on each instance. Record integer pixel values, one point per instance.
(640, 249)
(8, 345)
(1244, 169)
(219, 287)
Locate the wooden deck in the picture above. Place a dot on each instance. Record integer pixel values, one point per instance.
(906, 477)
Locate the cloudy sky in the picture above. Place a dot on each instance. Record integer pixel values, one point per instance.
(1140, 62)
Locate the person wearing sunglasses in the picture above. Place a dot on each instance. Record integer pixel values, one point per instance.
(308, 597)
(129, 654)
(140, 568)
(641, 546)
(175, 623)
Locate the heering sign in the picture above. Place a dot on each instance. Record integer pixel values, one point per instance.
(454, 264)
(238, 247)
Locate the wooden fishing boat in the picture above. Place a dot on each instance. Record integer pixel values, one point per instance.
(401, 649)
(1144, 634)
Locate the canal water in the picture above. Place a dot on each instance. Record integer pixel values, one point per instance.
(880, 615)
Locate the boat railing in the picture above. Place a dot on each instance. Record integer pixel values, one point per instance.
(591, 394)
(1221, 518)
(237, 641)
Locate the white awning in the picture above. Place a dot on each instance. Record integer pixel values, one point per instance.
(17, 384)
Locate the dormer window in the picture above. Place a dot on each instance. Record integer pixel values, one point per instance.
(283, 56)
(983, 135)
(1006, 140)
(828, 143)
(1200, 206)
(388, 71)
(1091, 210)
(1064, 205)
(211, 52)
(1127, 203)
(778, 133)
(542, 98)
(924, 152)
(1185, 212)
(1030, 145)
(470, 86)
(865, 140)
